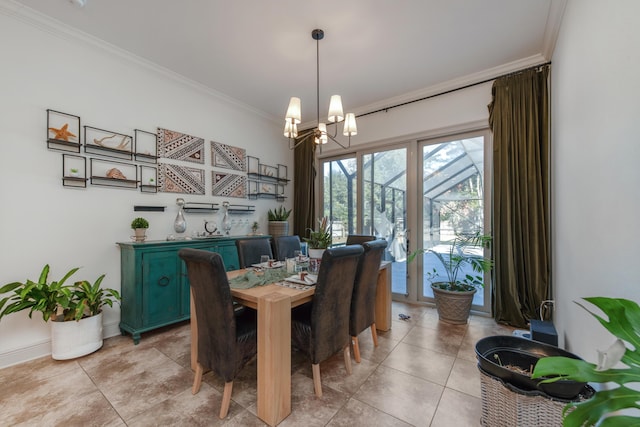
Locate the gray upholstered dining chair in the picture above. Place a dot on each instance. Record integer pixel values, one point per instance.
(227, 339)
(285, 246)
(250, 251)
(321, 328)
(358, 239)
(363, 301)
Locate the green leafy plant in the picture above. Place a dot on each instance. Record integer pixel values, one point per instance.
(320, 238)
(459, 255)
(88, 299)
(624, 323)
(139, 223)
(255, 226)
(55, 300)
(42, 296)
(279, 214)
(74, 170)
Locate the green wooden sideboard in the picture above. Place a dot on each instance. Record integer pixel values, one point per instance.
(154, 282)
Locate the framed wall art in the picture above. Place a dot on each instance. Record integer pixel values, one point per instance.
(180, 146)
(229, 185)
(228, 157)
(180, 179)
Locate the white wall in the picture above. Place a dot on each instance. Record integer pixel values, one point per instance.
(596, 177)
(44, 222)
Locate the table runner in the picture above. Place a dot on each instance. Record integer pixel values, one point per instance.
(258, 278)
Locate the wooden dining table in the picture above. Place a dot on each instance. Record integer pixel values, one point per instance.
(273, 303)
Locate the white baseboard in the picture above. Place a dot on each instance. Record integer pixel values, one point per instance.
(43, 348)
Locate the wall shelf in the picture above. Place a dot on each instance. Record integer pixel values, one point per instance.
(195, 207)
(266, 181)
(107, 143)
(74, 171)
(145, 146)
(105, 173)
(139, 208)
(241, 209)
(63, 131)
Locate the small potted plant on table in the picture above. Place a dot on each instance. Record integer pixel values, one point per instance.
(319, 239)
(139, 226)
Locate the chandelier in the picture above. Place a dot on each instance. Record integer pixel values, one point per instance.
(335, 116)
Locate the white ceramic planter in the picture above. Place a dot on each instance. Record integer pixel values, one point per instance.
(316, 253)
(74, 339)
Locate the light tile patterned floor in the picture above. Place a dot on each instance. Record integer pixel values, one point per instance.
(423, 373)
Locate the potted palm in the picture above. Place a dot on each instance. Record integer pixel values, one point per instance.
(278, 221)
(319, 239)
(74, 310)
(139, 226)
(454, 293)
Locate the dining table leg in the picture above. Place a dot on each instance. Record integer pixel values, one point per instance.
(274, 357)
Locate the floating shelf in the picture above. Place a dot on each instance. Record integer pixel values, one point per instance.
(139, 208)
(241, 209)
(195, 207)
(56, 122)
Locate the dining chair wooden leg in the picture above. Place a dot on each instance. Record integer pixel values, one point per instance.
(347, 359)
(374, 334)
(356, 349)
(317, 384)
(197, 379)
(226, 399)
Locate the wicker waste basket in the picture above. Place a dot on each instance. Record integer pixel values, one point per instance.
(504, 405)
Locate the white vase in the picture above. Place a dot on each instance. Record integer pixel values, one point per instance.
(316, 253)
(73, 339)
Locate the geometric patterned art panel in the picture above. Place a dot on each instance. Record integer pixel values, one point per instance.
(180, 146)
(227, 156)
(180, 179)
(229, 185)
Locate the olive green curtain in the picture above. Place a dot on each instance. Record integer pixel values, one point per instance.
(519, 120)
(304, 174)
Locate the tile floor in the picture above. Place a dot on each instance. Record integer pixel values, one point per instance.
(423, 373)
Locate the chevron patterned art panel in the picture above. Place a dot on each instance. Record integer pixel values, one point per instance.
(180, 179)
(180, 146)
(229, 185)
(227, 156)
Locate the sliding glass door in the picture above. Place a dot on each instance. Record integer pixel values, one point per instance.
(419, 194)
(384, 207)
(453, 203)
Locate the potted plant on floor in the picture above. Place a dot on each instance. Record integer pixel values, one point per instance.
(454, 293)
(74, 311)
(319, 239)
(139, 226)
(278, 221)
(607, 405)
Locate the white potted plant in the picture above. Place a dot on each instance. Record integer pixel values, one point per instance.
(74, 311)
(319, 239)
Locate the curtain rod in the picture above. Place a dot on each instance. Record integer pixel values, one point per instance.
(385, 109)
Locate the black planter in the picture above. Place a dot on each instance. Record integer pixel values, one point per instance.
(496, 352)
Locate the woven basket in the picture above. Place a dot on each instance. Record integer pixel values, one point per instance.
(453, 306)
(506, 406)
(278, 228)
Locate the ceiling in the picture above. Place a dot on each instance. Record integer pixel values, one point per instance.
(375, 53)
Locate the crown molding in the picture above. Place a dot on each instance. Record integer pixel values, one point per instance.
(45, 23)
(552, 29)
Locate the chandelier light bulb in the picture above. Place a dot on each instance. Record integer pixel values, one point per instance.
(350, 127)
(293, 112)
(335, 109)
